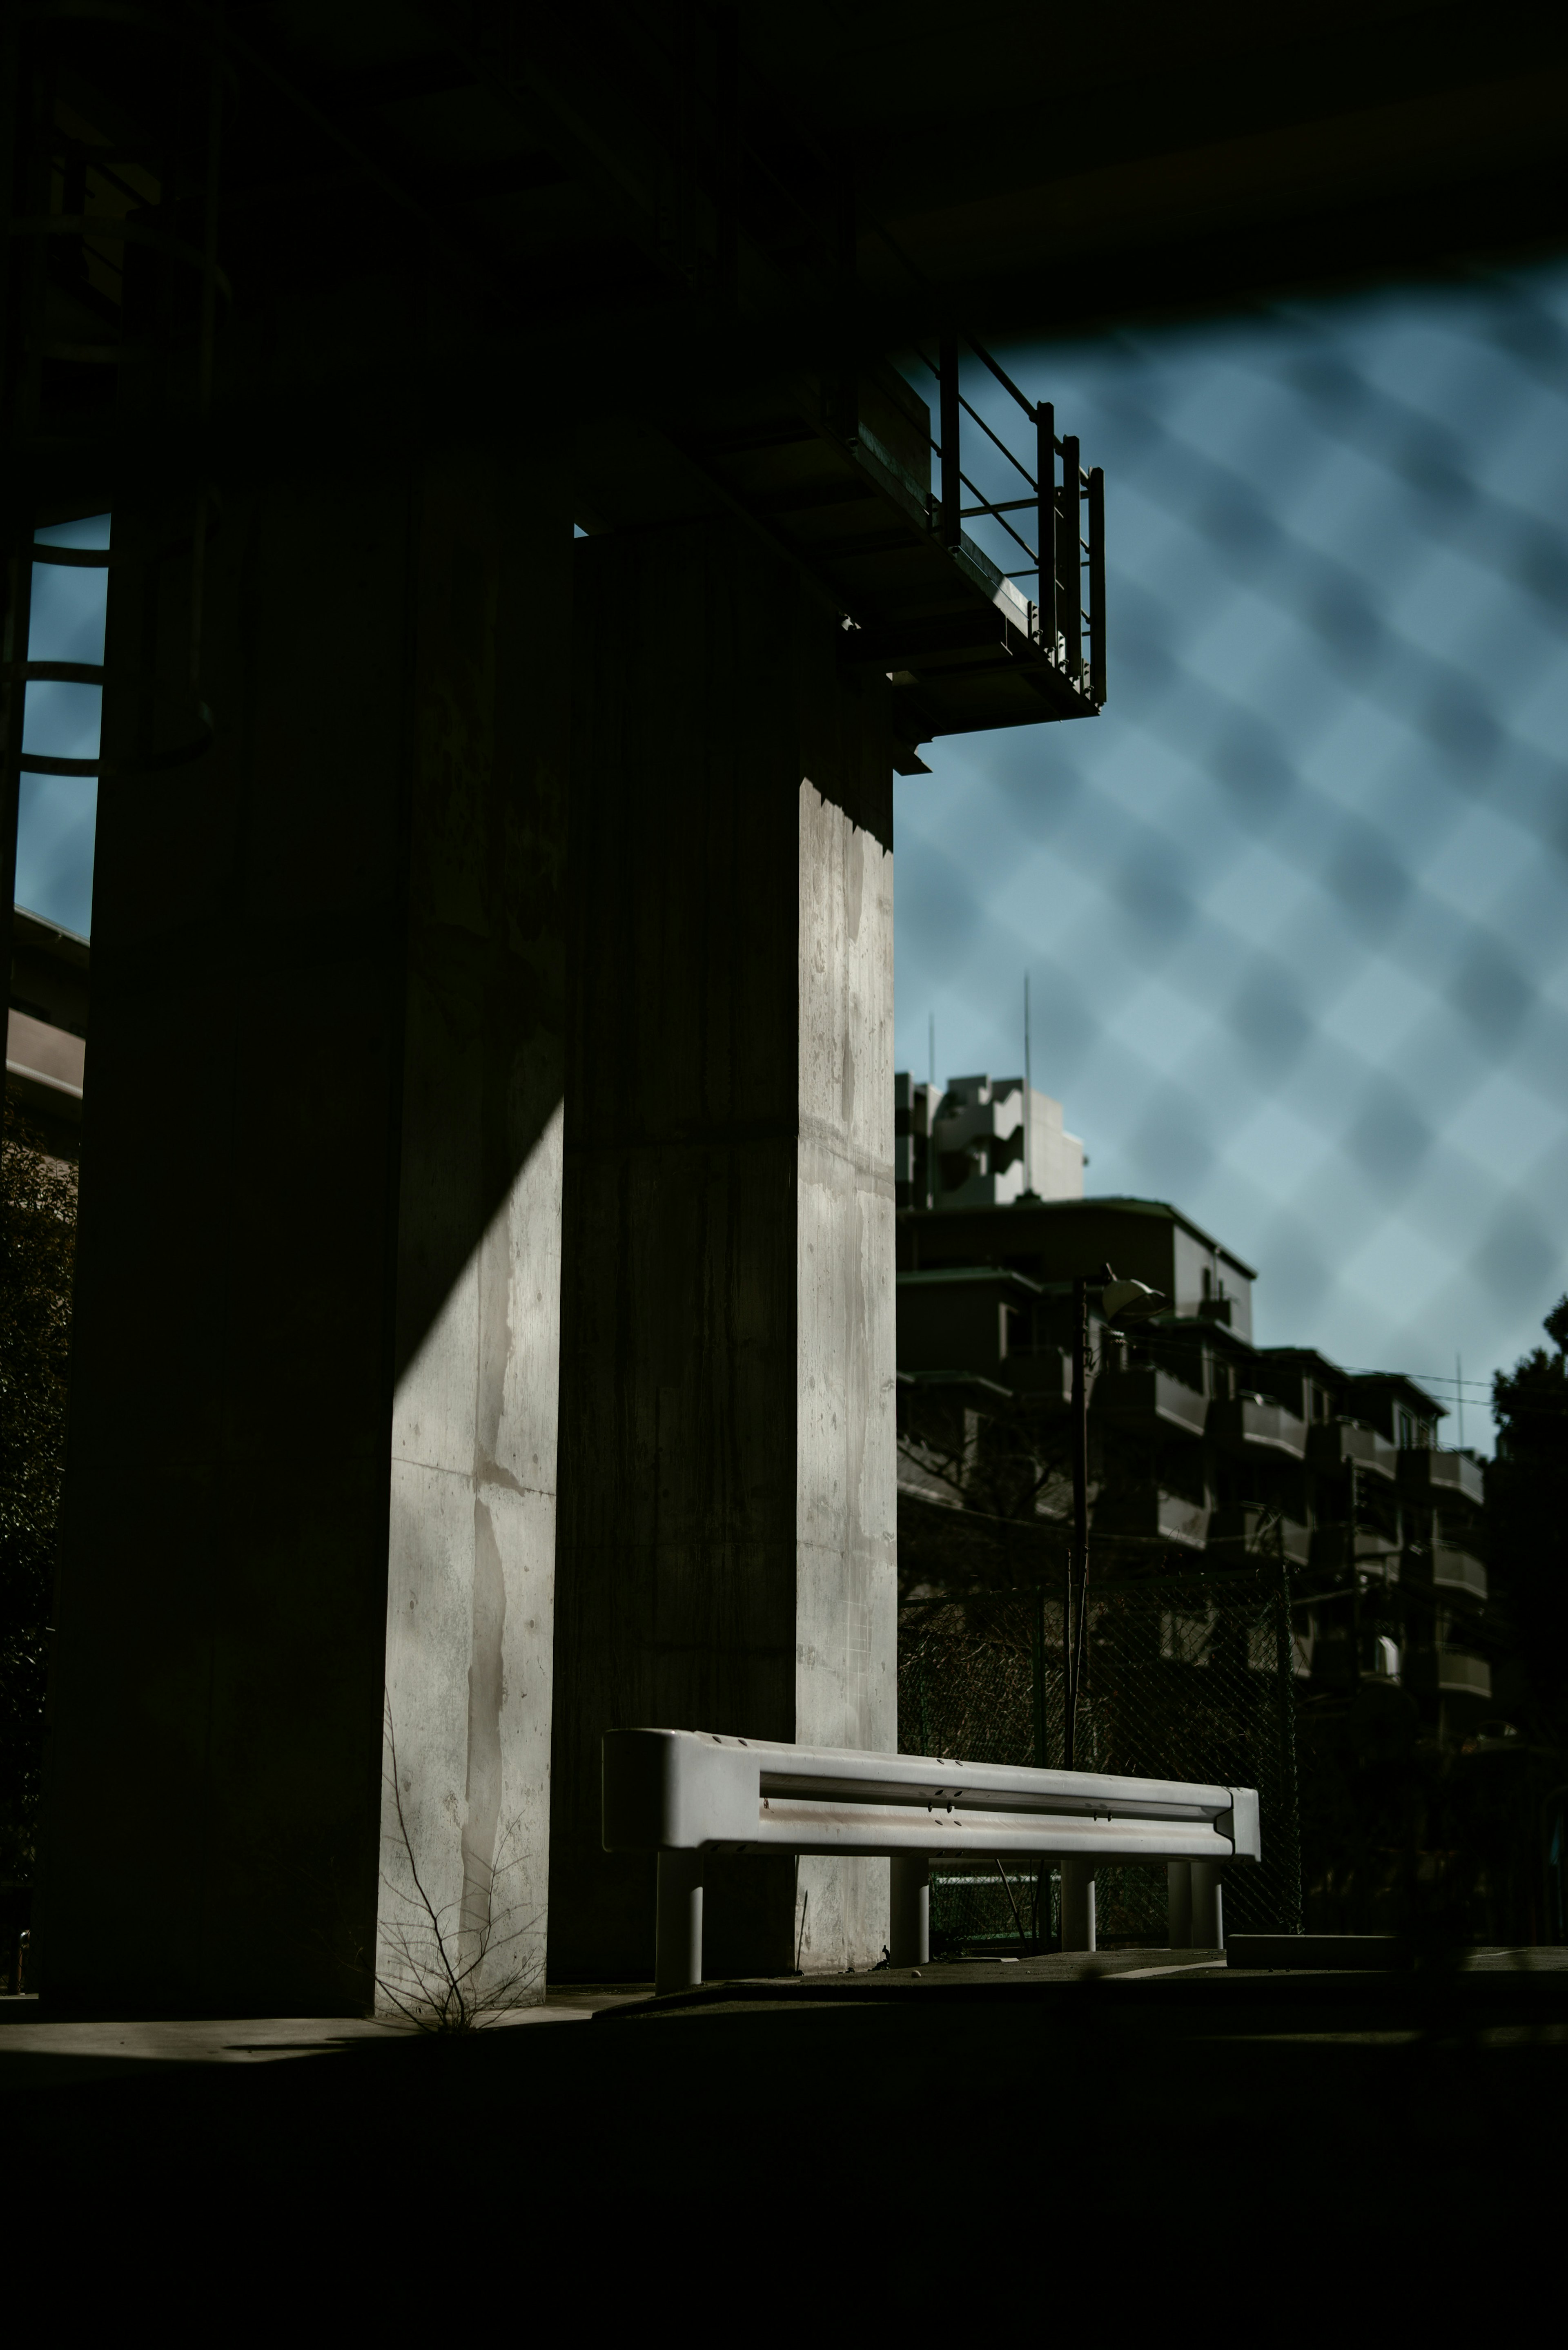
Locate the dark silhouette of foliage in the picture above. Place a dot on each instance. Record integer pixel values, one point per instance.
(1527, 1501)
(38, 1206)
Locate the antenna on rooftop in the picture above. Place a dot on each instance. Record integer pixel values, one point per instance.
(1028, 1096)
(933, 1046)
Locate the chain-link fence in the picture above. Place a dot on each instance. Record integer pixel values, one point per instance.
(1189, 1677)
(1295, 908)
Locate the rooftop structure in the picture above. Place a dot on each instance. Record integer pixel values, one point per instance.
(973, 1144)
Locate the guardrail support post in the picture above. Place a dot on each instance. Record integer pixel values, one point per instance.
(910, 1906)
(1178, 1894)
(678, 1945)
(1207, 1908)
(1077, 1904)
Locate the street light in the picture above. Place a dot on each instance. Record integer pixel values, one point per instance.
(1128, 1301)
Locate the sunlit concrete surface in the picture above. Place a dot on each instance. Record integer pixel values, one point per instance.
(26, 2030)
(205, 2040)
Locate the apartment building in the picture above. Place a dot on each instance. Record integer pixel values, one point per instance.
(981, 1142)
(1203, 1446)
(46, 1029)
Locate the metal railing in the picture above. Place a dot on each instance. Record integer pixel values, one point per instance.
(1066, 562)
(720, 107)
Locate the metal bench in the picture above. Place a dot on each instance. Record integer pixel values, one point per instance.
(686, 1792)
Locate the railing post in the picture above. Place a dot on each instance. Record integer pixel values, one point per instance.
(1078, 1556)
(1046, 487)
(1077, 1904)
(678, 1938)
(1097, 586)
(1179, 1897)
(1069, 553)
(953, 489)
(909, 1909)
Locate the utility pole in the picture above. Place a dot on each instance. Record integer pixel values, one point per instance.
(1125, 1301)
(1029, 1100)
(1078, 1556)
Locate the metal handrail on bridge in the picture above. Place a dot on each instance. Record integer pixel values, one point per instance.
(1067, 543)
(1058, 618)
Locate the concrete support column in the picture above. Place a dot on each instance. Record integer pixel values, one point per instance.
(726, 1557)
(1077, 1904)
(310, 1505)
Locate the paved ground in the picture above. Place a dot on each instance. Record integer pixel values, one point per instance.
(1043, 2106)
(75, 2045)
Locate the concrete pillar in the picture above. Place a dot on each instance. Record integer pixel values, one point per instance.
(311, 1489)
(726, 1557)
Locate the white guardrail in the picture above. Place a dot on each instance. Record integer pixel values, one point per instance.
(685, 1792)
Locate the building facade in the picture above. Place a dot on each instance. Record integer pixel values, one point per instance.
(46, 1031)
(981, 1142)
(1204, 1447)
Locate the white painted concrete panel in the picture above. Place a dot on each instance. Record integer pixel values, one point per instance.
(845, 1658)
(470, 1616)
(520, 1325)
(429, 1641)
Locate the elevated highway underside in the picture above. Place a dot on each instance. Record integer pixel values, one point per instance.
(520, 1360)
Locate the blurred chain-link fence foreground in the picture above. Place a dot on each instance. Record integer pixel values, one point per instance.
(1368, 1825)
(1186, 1677)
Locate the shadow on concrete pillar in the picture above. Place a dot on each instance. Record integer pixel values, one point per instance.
(726, 1556)
(316, 1316)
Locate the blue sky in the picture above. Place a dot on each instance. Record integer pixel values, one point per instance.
(56, 818)
(1295, 908)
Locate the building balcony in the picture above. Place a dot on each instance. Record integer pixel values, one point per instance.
(957, 572)
(1458, 1570)
(1148, 1399)
(1462, 1676)
(1338, 1444)
(1429, 1477)
(1255, 1424)
(1258, 1533)
(1367, 1548)
(1151, 1515)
